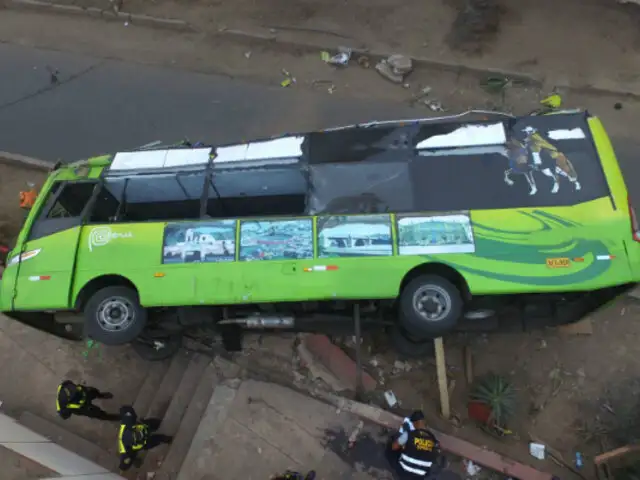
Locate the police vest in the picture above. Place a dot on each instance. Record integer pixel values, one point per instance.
(419, 453)
(70, 405)
(139, 429)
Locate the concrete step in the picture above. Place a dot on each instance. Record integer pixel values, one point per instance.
(149, 388)
(214, 417)
(181, 398)
(168, 386)
(184, 393)
(190, 421)
(68, 440)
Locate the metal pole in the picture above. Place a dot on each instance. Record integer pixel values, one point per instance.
(358, 335)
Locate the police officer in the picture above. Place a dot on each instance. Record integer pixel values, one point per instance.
(136, 435)
(75, 399)
(414, 452)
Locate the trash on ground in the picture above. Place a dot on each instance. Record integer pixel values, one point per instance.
(391, 399)
(289, 80)
(364, 61)
(434, 105)
(579, 462)
(354, 435)
(395, 68)
(247, 54)
(471, 468)
(496, 84)
(537, 450)
(385, 70)
(400, 64)
(341, 59)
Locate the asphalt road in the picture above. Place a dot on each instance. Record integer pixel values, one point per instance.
(100, 106)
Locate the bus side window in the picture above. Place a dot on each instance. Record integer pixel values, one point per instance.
(63, 209)
(106, 208)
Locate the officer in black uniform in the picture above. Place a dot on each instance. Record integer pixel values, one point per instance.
(75, 399)
(414, 452)
(136, 435)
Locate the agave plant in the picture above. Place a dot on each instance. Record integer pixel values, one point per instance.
(498, 395)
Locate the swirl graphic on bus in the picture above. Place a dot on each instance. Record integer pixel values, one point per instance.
(100, 236)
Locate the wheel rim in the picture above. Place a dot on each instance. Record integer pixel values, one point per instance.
(115, 314)
(432, 303)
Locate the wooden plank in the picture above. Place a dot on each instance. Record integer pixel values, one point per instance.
(441, 368)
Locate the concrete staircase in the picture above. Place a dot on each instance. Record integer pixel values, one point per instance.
(177, 392)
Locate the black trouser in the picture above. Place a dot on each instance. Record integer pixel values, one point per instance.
(127, 460)
(92, 411)
(393, 457)
(155, 439)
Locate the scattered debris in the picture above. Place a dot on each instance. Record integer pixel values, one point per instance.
(53, 75)
(617, 106)
(434, 105)
(537, 450)
(471, 468)
(341, 59)
(391, 399)
(289, 80)
(354, 435)
(399, 366)
(579, 462)
(247, 54)
(395, 68)
(364, 61)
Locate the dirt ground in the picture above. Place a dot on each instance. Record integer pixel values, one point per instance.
(586, 41)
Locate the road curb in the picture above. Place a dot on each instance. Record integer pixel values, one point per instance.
(16, 159)
(313, 47)
(132, 18)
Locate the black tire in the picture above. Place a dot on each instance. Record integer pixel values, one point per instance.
(417, 323)
(147, 348)
(408, 346)
(105, 329)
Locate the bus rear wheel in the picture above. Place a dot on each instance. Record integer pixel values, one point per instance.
(430, 306)
(114, 316)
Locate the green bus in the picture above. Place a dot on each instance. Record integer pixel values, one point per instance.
(424, 222)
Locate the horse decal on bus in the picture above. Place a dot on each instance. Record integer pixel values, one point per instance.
(535, 154)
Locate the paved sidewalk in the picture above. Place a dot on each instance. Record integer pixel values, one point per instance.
(254, 429)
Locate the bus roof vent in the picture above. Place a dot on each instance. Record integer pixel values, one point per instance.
(160, 159)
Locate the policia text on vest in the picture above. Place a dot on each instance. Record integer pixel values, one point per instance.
(135, 435)
(414, 452)
(75, 399)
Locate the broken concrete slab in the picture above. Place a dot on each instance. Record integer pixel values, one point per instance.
(337, 362)
(318, 371)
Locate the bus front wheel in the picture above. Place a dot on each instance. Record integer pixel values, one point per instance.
(430, 306)
(114, 316)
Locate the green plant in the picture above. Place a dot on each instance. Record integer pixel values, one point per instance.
(498, 394)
